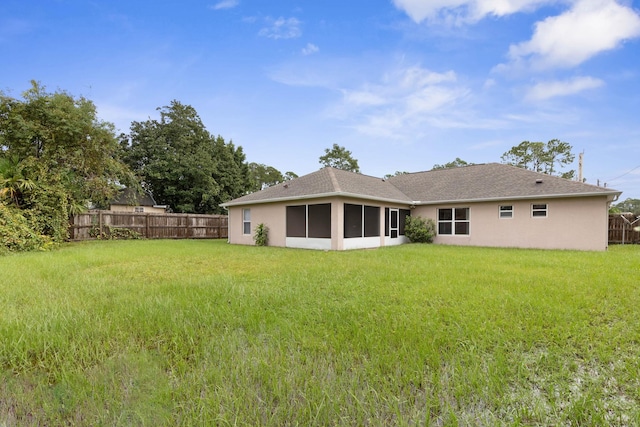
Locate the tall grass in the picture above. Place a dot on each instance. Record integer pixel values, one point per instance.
(204, 333)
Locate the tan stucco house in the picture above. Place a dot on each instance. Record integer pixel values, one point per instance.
(128, 200)
(479, 205)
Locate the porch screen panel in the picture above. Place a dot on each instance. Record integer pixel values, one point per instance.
(320, 221)
(404, 213)
(371, 221)
(386, 222)
(297, 221)
(352, 220)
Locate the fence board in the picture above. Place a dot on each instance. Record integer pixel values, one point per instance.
(621, 232)
(150, 225)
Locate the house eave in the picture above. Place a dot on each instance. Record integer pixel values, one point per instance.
(611, 195)
(317, 196)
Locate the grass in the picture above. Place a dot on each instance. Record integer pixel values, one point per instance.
(204, 333)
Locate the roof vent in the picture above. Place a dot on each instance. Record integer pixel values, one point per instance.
(286, 185)
(539, 181)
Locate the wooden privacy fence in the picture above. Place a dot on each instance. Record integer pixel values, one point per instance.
(88, 225)
(622, 231)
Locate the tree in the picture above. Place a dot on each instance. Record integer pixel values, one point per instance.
(263, 176)
(541, 157)
(390, 175)
(340, 158)
(54, 143)
(629, 205)
(182, 164)
(288, 176)
(458, 162)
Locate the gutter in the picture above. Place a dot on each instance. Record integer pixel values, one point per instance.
(610, 194)
(317, 196)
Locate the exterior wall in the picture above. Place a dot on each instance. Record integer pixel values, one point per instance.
(127, 208)
(273, 215)
(571, 223)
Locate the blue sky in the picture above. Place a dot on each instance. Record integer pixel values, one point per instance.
(402, 84)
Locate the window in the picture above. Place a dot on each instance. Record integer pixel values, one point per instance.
(506, 211)
(371, 221)
(454, 221)
(361, 221)
(539, 210)
(320, 221)
(138, 209)
(297, 221)
(246, 221)
(352, 220)
(312, 221)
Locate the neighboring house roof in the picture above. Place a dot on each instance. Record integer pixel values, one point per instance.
(492, 181)
(130, 197)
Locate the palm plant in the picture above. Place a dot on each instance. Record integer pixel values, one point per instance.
(12, 181)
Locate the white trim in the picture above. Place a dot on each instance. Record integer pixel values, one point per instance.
(361, 242)
(501, 211)
(308, 243)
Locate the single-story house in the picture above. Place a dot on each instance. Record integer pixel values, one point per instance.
(479, 205)
(129, 200)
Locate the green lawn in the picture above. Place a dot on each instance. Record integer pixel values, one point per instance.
(206, 333)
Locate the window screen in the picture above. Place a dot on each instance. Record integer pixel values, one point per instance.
(320, 221)
(352, 220)
(371, 221)
(297, 221)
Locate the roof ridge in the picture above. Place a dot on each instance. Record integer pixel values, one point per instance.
(334, 180)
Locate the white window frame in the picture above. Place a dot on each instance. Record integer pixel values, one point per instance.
(536, 208)
(453, 221)
(138, 209)
(246, 221)
(504, 213)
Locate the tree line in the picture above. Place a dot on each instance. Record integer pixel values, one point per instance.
(57, 158)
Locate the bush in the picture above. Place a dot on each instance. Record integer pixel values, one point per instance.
(114, 233)
(419, 230)
(261, 235)
(16, 234)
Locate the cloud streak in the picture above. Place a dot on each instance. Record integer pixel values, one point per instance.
(464, 11)
(225, 4)
(551, 89)
(281, 28)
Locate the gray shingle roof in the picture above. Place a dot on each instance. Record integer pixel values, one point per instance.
(492, 181)
(129, 197)
(326, 182)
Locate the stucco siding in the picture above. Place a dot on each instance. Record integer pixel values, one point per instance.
(127, 208)
(571, 223)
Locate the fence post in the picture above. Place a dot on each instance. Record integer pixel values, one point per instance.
(146, 226)
(100, 222)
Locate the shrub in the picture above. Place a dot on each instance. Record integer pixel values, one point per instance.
(16, 234)
(419, 230)
(114, 233)
(261, 235)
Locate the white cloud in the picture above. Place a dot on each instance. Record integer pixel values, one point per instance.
(310, 49)
(282, 28)
(567, 40)
(461, 11)
(551, 89)
(225, 4)
(403, 101)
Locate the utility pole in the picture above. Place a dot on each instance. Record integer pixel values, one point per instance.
(580, 159)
